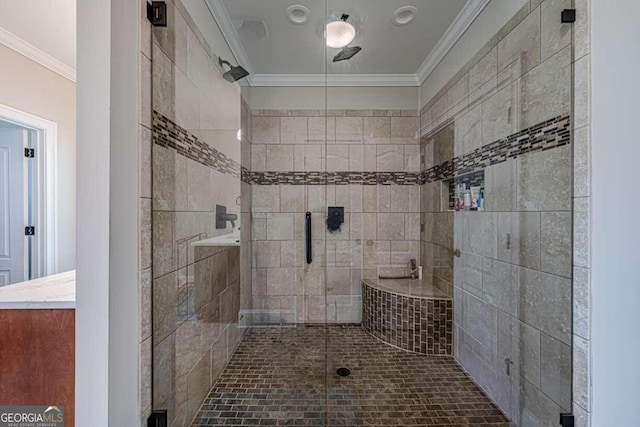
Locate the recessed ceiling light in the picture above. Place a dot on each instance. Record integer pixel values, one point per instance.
(298, 14)
(404, 16)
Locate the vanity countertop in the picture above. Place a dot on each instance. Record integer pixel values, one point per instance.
(52, 292)
(224, 241)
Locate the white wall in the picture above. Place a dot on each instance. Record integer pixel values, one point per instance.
(616, 203)
(292, 98)
(28, 86)
(92, 276)
(487, 24)
(48, 25)
(107, 321)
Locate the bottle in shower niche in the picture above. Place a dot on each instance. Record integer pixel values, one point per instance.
(481, 199)
(460, 201)
(466, 198)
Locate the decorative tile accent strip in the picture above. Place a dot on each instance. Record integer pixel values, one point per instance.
(541, 137)
(335, 113)
(168, 134)
(335, 178)
(421, 325)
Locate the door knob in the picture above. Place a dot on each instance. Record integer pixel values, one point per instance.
(457, 253)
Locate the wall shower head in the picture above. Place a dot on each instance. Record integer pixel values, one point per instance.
(235, 73)
(347, 53)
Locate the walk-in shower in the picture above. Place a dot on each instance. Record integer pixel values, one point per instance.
(404, 214)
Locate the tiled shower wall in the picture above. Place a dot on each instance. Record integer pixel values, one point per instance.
(507, 113)
(195, 161)
(366, 161)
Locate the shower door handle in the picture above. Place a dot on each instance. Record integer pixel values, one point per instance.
(307, 233)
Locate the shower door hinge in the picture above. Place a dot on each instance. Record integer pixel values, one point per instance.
(567, 420)
(29, 153)
(157, 13)
(568, 16)
(158, 419)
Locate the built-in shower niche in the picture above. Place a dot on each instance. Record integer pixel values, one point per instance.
(466, 182)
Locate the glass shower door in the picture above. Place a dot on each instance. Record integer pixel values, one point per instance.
(507, 137)
(199, 208)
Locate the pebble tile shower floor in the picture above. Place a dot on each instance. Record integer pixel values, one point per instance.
(287, 376)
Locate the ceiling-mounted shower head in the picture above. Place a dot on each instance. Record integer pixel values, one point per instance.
(235, 73)
(347, 53)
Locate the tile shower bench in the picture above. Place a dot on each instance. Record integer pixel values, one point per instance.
(408, 314)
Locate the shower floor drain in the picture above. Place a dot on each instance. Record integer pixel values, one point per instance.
(343, 372)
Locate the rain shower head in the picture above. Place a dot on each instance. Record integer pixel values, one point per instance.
(235, 73)
(347, 53)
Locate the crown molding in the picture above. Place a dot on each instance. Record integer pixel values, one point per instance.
(221, 16)
(30, 51)
(320, 80)
(465, 18)
(461, 23)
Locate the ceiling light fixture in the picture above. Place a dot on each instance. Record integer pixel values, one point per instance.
(340, 33)
(298, 14)
(404, 16)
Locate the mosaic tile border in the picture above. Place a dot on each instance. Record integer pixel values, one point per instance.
(168, 134)
(335, 178)
(544, 136)
(420, 325)
(335, 113)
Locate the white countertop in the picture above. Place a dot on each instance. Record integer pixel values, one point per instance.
(56, 291)
(226, 240)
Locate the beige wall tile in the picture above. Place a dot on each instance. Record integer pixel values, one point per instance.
(554, 34)
(292, 198)
(390, 226)
(468, 131)
(499, 115)
(377, 130)
(404, 130)
(484, 70)
(545, 92)
(280, 226)
(556, 243)
(499, 285)
(265, 130)
(266, 254)
(544, 180)
(349, 130)
(536, 290)
(521, 47)
(293, 130)
(281, 281)
(337, 157)
(390, 158)
(555, 372)
(258, 157)
(280, 158)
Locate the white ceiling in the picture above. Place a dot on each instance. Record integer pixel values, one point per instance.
(290, 49)
(47, 26)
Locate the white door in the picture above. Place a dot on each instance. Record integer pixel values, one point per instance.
(13, 255)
